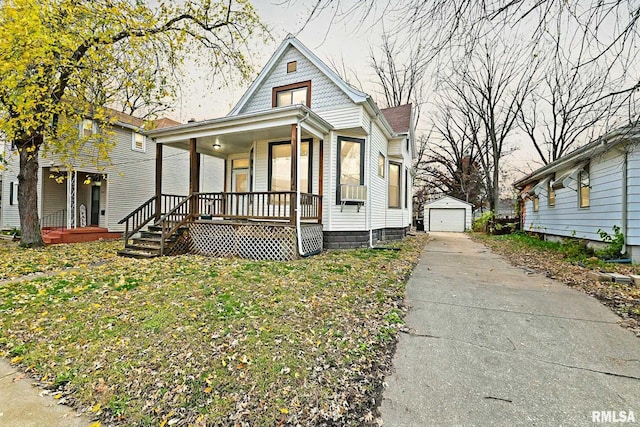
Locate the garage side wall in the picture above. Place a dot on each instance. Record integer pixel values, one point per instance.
(448, 203)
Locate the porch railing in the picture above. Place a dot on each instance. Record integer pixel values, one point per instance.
(54, 221)
(148, 211)
(267, 205)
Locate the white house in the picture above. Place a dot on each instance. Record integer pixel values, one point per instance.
(309, 162)
(593, 188)
(448, 214)
(106, 193)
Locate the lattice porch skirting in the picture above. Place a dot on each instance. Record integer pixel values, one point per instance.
(253, 241)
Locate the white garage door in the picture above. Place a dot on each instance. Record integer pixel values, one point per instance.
(446, 219)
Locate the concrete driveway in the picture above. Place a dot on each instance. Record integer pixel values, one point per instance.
(490, 345)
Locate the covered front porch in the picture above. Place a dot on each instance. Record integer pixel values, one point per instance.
(271, 206)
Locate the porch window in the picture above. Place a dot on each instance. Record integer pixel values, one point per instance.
(551, 194)
(585, 188)
(350, 163)
(280, 166)
(138, 142)
(297, 93)
(394, 185)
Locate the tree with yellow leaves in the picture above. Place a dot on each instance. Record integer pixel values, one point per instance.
(62, 61)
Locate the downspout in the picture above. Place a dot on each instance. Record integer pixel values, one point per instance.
(298, 215)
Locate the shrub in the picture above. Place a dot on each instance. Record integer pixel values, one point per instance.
(614, 246)
(480, 223)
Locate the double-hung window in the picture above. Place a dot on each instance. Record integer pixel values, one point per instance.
(297, 93)
(394, 184)
(350, 163)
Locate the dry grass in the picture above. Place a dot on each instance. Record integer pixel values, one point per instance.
(200, 341)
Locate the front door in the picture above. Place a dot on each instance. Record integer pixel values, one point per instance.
(95, 205)
(239, 184)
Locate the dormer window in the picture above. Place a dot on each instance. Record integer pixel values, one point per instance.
(297, 93)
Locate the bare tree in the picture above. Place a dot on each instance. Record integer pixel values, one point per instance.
(490, 88)
(401, 72)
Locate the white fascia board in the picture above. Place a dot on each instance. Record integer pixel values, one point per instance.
(243, 123)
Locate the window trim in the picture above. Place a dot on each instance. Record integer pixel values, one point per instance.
(133, 142)
(338, 168)
(584, 171)
(270, 163)
(399, 200)
(276, 90)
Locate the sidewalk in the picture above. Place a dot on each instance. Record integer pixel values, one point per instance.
(490, 345)
(22, 405)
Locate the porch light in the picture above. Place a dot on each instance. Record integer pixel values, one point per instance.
(216, 146)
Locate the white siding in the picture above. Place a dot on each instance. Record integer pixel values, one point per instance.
(325, 95)
(567, 219)
(345, 117)
(378, 191)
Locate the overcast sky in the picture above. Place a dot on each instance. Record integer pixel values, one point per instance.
(333, 42)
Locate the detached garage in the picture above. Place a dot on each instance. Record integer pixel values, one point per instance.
(447, 214)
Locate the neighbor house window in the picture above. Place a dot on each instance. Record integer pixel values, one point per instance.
(292, 66)
(350, 162)
(394, 185)
(297, 93)
(536, 204)
(552, 194)
(280, 166)
(585, 187)
(139, 142)
(87, 128)
(381, 163)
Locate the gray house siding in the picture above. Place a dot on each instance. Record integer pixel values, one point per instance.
(567, 219)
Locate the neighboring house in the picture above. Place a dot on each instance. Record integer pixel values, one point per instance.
(310, 162)
(448, 214)
(594, 187)
(106, 193)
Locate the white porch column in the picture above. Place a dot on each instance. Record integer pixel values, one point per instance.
(71, 198)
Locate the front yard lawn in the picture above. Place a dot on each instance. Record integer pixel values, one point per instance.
(16, 261)
(191, 340)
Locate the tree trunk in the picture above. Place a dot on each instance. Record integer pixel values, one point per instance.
(28, 194)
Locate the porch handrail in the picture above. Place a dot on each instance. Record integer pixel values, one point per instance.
(261, 205)
(138, 218)
(146, 212)
(179, 215)
(53, 219)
